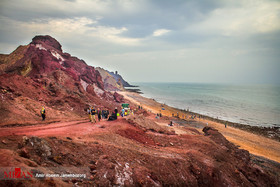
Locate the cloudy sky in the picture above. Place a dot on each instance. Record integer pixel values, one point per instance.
(224, 41)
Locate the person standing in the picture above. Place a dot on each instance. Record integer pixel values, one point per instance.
(107, 114)
(103, 114)
(93, 112)
(116, 113)
(89, 114)
(99, 114)
(43, 113)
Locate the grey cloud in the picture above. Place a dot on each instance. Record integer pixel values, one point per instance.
(182, 46)
(268, 41)
(171, 15)
(29, 12)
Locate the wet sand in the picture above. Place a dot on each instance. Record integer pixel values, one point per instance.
(254, 143)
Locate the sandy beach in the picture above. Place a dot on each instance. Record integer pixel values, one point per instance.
(255, 144)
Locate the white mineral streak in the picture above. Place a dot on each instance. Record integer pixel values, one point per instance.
(57, 56)
(97, 90)
(155, 183)
(84, 84)
(39, 46)
(124, 175)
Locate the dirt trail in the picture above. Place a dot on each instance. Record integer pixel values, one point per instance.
(56, 129)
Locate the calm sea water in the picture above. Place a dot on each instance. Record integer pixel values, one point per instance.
(257, 105)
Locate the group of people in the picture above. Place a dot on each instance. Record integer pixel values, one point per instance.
(125, 112)
(101, 114)
(159, 115)
(92, 112)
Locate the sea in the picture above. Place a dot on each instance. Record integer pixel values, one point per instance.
(255, 105)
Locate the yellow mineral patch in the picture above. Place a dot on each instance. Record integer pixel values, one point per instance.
(26, 69)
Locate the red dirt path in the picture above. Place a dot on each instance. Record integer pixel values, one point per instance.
(73, 128)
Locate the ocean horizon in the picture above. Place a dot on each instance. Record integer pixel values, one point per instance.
(255, 105)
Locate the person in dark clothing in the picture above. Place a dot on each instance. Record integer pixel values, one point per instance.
(106, 114)
(43, 113)
(99, 114)
(116, 113)
(103, 114)
(113, 116)
(170, 124)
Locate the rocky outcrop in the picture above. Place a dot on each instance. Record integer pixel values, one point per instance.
(113, 81)
(118, 98)
(110, 82)
(119, 79)
(47, 40)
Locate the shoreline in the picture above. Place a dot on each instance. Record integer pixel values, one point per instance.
(268, 132)
(256, 140)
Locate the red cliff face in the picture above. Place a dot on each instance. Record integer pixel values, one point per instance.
(47, 40)
(60, 80)
(46, 56)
